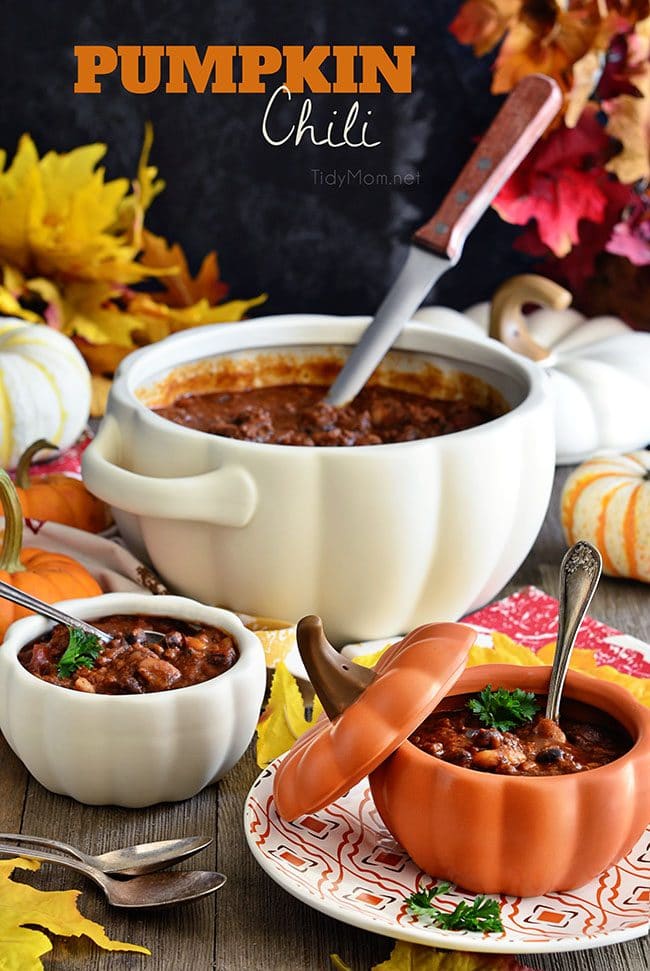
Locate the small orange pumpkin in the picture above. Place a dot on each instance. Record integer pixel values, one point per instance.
(58, 498)
(606, 501)
(50, 576)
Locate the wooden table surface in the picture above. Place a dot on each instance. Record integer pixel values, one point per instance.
(253, 925)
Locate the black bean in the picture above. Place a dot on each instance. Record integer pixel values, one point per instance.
(549, 755)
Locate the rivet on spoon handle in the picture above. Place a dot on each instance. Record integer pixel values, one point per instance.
(579, 575)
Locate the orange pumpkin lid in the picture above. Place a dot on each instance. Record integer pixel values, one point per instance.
(368, 713)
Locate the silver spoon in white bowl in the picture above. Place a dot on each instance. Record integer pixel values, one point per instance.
(579, 575)
(152, 890)
(127, 861)
(53, 613)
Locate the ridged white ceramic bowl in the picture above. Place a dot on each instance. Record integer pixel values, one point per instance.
(375, 539)
(131, 750)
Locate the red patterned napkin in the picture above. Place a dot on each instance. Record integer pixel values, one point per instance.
(530, 618)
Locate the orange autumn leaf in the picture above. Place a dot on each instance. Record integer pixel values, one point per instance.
(482, 23)
(24, 909)
(180, 288)
(550, 42)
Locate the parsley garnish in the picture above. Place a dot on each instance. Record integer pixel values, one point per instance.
(504, 709)
(82, 652)
(482, 914)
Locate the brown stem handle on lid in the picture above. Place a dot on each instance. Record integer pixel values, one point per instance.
(337, 681)
(520, 122)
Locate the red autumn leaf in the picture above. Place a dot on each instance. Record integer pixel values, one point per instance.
(560, 183)
(575, 269)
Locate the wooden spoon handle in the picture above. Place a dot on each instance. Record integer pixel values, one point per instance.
(523, 118)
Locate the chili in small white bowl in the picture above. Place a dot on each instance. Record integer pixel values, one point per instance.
(131, 749)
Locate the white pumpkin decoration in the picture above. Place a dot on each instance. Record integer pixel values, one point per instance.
(599, 369)
(606, 501)
(44, 388)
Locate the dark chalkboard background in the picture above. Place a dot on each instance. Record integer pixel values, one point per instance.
(311, 247)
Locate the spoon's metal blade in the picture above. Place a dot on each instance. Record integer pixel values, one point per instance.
(164, 889)
(134, 861)
(421, 270)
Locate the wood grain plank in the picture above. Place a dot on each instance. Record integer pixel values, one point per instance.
(13, 787)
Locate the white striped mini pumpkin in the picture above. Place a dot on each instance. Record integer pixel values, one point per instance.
(606, 501)
(44, 388)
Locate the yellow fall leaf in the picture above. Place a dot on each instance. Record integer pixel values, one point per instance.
(283, 720)
(58, 216)
(146, 187)
(418, 957)
(22, 946)
(586, 73)
(504, 651)
(629, 122)
(277, 637)
(72, 243)
(583, 660)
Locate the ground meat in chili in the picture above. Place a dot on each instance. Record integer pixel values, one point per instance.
(127, 665)
(538, 748)
(295, 414)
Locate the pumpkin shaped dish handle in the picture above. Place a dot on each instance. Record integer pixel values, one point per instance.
(507, 322)
(337, 681)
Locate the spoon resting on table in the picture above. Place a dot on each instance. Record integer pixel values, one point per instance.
(127, 861)
(438, 244)
(152, 890)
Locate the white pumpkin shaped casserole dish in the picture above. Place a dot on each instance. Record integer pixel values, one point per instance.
(131, 749)
(375, 538)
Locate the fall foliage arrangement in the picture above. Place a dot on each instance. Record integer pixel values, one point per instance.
(75, 254)
(585, 186)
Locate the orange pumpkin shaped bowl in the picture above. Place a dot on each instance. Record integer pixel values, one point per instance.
(488, 833)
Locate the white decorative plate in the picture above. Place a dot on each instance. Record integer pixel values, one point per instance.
(344, 862)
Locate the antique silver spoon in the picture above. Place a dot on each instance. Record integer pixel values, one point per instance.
(128, 861)
(47, 610)
(152, 890)
(579, 575)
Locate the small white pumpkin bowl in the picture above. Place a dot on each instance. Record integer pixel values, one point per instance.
(131, 750)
